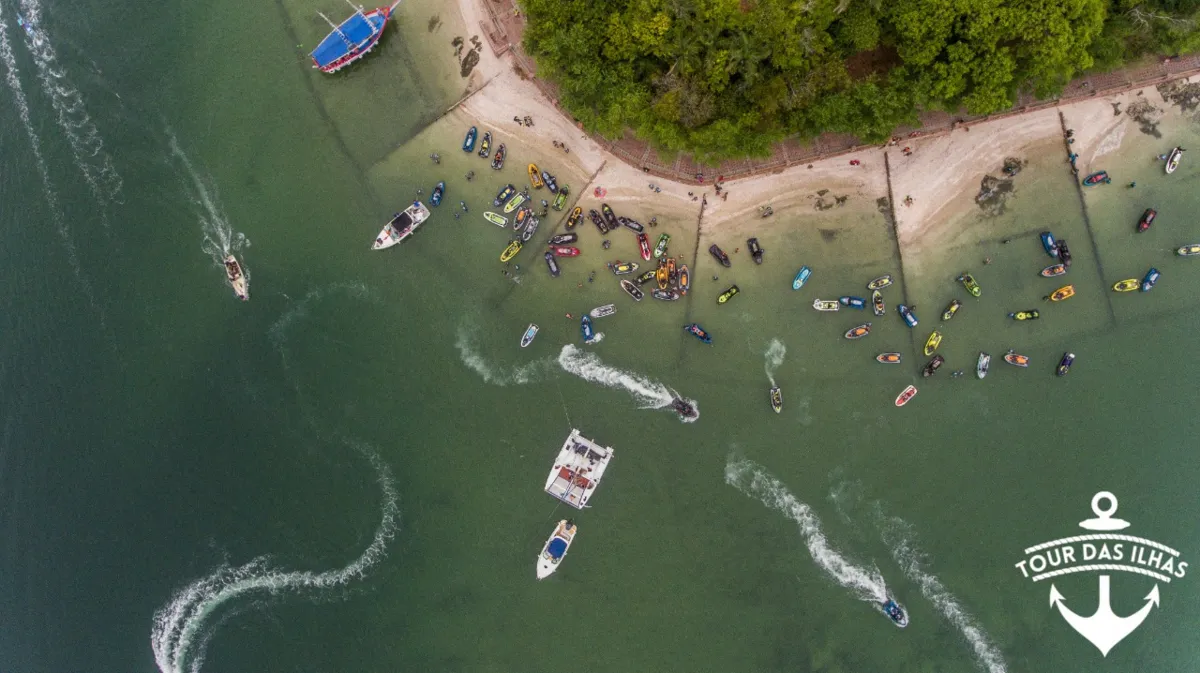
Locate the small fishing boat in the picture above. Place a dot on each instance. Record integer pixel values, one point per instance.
(485, 145)
(1064, 292)
(496, 219)
(1150, 280)
(665, 295)
(514, 203)
(1064, 365)
(498, 157)
(562, 239)
(951, 309)
(697, 331)
(821, 305)
(1031, 314)
(1097, 178)
(968, 282)
(720, 255)
(552, 262)
(1127, 285)
(1173, 159)
(551, 183)
(888, 358)
(1016, 359)
(801, 278)
(469, 141)
(560, 201)
(1053, 270)
(1049, 243)
(660, 248)
(522, 219)
(620, 268)
(776, 399)
(1146, 220)
(535, 176)
(401, 226)
(906, 395)
(685, 279)
(880, 282)
(853, 302)
(982, 365)
(514, 246)
(755, 249)
(646, 277)
(236, 276)
(435, 199)
(1188, 250)
(603, 311)
(585, 329)
(932, 343)
(661, 276)
(530, 333)
(644, 245)
(895, 613)
(906, 313)
(346, 43)
(631, 289)
(555, 549)
(565, 251)
(610, 218)
(933, 365)
(575, 218)
(859, 331)
(504, 195)
(727, 294)
(1064, 253)
(632, 225)
(684, 408)
(598, 221)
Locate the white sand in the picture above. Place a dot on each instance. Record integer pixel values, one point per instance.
(476, 21)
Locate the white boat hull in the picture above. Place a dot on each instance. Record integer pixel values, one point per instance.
(408, 221)
(235, 273)
(550, 558)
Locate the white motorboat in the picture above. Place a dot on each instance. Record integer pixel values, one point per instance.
(237, 278)
(981, 367)
(1173, 159)
(401, 226)
(577, 470)
(603, 311)
(555, 549)
(530, 333)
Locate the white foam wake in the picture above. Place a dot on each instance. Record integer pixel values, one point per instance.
(774, 357)
(490, 373)
(183, 627)
(219, 237)
(898, 535)
(596, 338)
(649, 394)
(750, 478)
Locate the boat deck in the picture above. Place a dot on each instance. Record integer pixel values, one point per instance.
(577, 470)
(358, 29)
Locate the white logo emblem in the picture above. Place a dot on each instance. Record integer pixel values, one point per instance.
(1103, 551)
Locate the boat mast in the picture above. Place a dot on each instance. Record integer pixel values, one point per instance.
(349, 45)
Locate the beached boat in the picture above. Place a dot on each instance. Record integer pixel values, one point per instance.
(496, 219)
(646, 277)
(719, 254)
(982, 364)
(1064, 292)
(504, 195)
(776, 399)
(1188, 250)
(603, 311)
(555, 549)
(469, 141)
(888, 358)
(858, 331)
(598, 221)
(565, 251)
(631, 289)
(528, 336)
(522, 219)
(1097, 178)
(236, 275)
(401, 226)
(1016, 359)
(1064, 253)
(755, 249)
(1173, 159)
(585, 329)
(660, 248)
(535, 176)
(661, 276)
(907, 315)
(968, 282)
(685, 279)
(632, 225)
(1031, 314)
(514, 203)
(350, 41)
(1049, 243)
(514, 246)
(697, 331)
(485, 145)
(560, 201)
(906, 395)
(562, 239)
(826, 305)
(435, 199)
(551, 183)
(727, 294)
(644, 245)
(853, 302)
(1064, 365)
(552, 262)
(801, 277)
(1053, 270)
(880, 282)
(665, 295)
(498, 157)
(933, 365)
(577, 470)
(620, 268)
(684, 408)
(895, 613)
(1127, 285)
(1150, 280)
(932, 343)
(610, 218)
(575, 218)
(1146, 219)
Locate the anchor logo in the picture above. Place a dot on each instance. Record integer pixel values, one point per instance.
(1105, 551)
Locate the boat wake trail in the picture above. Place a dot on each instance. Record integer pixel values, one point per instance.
(183, 627)
(751, 479)
(81, 133)
(513, 376)
(219, 237)
(774, 357)
(597, 338)
(649, 394)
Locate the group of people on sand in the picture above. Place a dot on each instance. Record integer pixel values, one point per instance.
(527, 121)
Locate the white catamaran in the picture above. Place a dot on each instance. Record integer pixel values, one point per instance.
(578, 469)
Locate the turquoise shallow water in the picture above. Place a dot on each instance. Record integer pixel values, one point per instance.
(361, 447)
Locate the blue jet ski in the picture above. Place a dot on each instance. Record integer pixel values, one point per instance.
(585, 328)
(469, 141)
(895, 613)
(1049, 244)
(910, 318)
(1150, 280)
(801, 278)
(435, 199)
(853, 302)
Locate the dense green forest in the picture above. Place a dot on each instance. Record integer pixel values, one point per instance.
(726, 78)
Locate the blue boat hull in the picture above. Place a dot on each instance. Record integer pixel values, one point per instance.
(469, 141)
(435, 199)
(909, 317)
(352, 40)
(853, 302)
(801, 278)
(1050, 244)
(585, 329)
(1150, 280)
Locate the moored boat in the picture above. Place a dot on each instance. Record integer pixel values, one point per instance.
(551, 262)
(1016, 359)
(801, 277)
(727, 294)
(968, 282)
(514, 246)
(1031, 314)
(514, 203)
(776, 398)
(469, 141)
(933, 365)
(660, 275)
(906, 395)
(577, 470)
(565, 251)
(610, 218)
(1188, 250)
(907, 315)
(665, 295)
(755, 249)
(932, 343)
(563, 239)
(853, 302)
(401, 226)
(1127, 285)
(888, 358)
(660, 248)
(1064, 292)
(498, 157)
(1064, 253)
(555, 549)
(719, 254)
(435, 199)
(575, 218)
(697, 331)
(671, 270)
(348, 42)
(530, 229)
(504, 195)
(535, 176)
(1173, 159)
(620, 268)
(826, 305)
(530, 333)
(551, 183)
(644, 244)
(1097, 178)
(521, 219)
(236, 276)
(982, 365)
(1146, 220)
(951, 309)
(560, 201)
(646, 277)
(632, 225)
(585, 329)
(1048, 242)
(1064, 365)
(895, 613)
(598, 221)
(1053, 270)
(858, 331)
(485, 145)
(631, 289)
(496, 219)
(603, 311)
(1150, 280)
(685, 279)
(880, 282)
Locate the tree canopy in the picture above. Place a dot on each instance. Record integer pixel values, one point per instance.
(726, 78)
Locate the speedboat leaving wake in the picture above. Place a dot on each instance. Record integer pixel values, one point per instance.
(650, 394)
(774, 357)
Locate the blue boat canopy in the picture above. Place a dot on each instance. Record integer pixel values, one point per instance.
(357, 30)
(557, 548)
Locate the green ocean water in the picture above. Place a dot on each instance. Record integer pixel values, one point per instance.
(345, 472)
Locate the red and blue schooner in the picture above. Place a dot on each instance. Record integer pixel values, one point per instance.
(352, 40)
